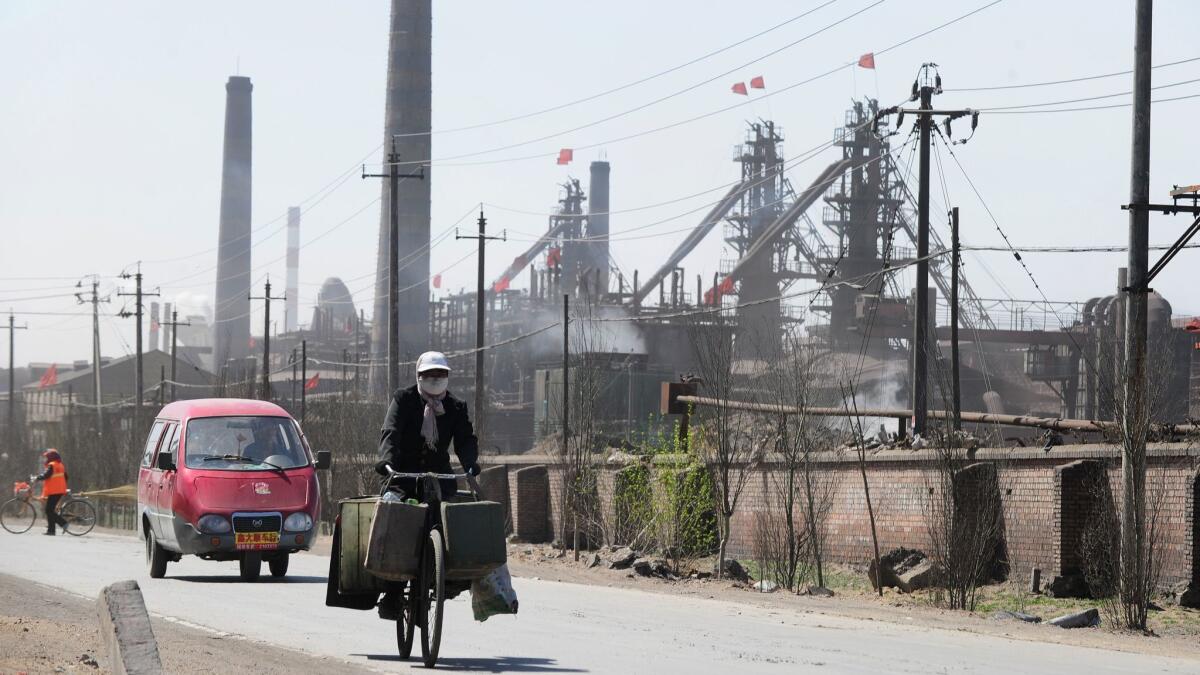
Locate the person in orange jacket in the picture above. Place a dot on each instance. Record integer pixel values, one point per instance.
(53, 489)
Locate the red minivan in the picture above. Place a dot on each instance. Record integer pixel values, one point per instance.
(228, 479)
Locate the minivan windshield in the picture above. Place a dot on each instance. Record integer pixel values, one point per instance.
(250, 443)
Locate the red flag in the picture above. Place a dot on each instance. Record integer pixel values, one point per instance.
(253, 342)
(553, 257)
(50, 377)
(757, 83)
(312, 382)
(867, 61)
(739, 88)
(437, 281)
(726, 285)
(1193, 326)
(708, 296)
(501, 285)
(566, 155)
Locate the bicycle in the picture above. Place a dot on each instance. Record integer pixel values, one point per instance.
(18, 514)
(423, 598)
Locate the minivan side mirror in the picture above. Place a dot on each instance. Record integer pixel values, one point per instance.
(166, 461)
(324, 460)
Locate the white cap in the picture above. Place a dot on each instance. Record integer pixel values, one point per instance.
(432, 361)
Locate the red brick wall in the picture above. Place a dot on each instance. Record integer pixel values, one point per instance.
(900, 482)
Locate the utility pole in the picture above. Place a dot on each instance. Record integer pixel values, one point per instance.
(174, 323)
(96, 388)
(928, 83)
(140, 384)
(566, 413)
(1135, 414)
(266, 361)
(480, 301)
(393, 294)
(954, 263)
(303, 378)
(12, 386)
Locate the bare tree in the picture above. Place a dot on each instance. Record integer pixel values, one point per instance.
(729, 450)
(801, 485)
(582, 521)
(849, 400)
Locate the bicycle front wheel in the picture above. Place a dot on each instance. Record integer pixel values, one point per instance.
(80, 516)
(433, 589)
(17, 515)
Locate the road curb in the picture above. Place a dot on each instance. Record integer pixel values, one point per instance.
(125, 630)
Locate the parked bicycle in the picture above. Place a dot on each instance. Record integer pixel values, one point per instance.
(18, 514)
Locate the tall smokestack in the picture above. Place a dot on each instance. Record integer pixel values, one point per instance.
(231, 311)
(406, 126)
(292, 304)
(154, 327)
(597, 226)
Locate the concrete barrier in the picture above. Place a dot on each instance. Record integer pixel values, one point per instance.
(125, 630)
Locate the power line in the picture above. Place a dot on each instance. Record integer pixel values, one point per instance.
(1069, 81)
(849, 64)
(1087, 108)
(1088, 98)
(622, 87)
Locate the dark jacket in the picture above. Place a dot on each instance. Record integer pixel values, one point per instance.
(402, 446)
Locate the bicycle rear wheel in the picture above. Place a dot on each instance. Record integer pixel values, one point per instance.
(433, 590)
(79, 514)
(17, 515)
(406, 623)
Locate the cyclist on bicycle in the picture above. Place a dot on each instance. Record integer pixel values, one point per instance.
(420, 423)
(53, 488)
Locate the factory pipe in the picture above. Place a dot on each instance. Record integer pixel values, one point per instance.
(1053, 423)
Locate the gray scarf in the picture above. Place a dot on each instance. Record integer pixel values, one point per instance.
(433, 410)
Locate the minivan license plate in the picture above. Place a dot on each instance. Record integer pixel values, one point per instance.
(250, 541)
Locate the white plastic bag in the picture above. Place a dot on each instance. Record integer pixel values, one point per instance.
(493, 595)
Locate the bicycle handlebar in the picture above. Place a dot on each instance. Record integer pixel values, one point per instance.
(392, 473)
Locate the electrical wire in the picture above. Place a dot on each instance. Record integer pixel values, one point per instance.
(447, 161)
(649, 104)
(1016, 255)
(1081, 100)
(1068, 81)
(1088, 108)
(628, 85)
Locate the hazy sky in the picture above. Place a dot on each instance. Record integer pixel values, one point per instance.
(111, 127)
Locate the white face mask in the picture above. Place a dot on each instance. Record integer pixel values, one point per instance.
(433, 386)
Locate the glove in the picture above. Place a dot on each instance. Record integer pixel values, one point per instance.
(473, 469)
(381, 467)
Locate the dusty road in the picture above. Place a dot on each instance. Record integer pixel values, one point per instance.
(563, 628)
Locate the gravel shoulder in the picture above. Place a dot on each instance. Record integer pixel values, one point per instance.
(859, 602)
(46, 630)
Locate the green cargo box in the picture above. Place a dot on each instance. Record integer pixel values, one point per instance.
(394, 552)
(356, 516)
(474, 539)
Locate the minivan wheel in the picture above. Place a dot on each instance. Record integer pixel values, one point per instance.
(250, 566)
(279, 565)
(156, 557)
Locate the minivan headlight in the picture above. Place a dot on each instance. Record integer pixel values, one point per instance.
(212, 524)
(298, 522)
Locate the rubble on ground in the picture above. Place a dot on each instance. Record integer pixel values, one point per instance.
(766, 586)
(1069, 586)
(904, 568)
(733, 571)
(1085, 619)
(1006, 615)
